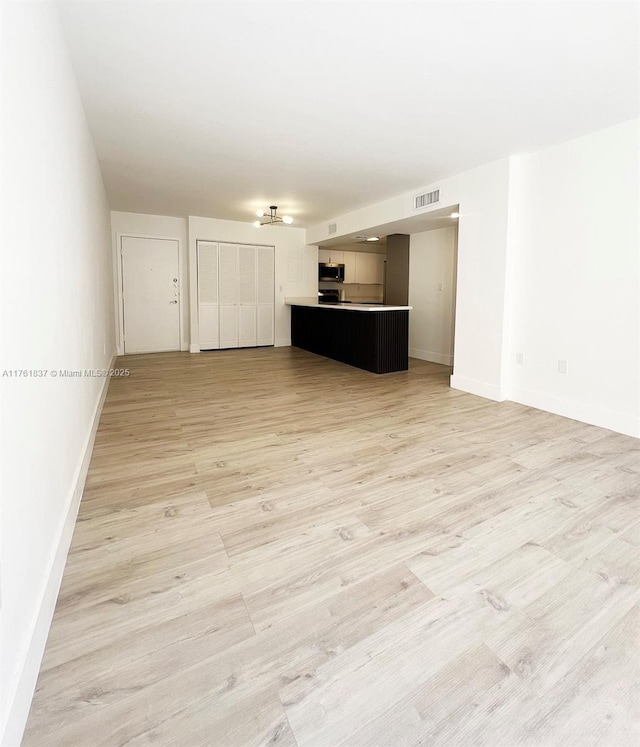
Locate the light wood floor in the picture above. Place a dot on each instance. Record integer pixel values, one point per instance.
(276, 549)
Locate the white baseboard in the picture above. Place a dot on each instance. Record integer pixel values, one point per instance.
(20, 701)
(428, 355)
(619, 422)
(479, 388)
(282, 342)
(194, 348)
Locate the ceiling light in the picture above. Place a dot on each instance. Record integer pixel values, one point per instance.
(373, 238)
(272, 218)
(454, 215)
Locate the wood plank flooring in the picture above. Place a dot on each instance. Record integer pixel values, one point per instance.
(277, 549)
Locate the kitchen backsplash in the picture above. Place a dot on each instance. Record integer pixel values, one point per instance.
(363, 293)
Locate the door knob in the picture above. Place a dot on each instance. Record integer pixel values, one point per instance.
(173, 302)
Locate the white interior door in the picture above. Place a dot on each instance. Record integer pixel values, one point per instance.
(265, 288)
(150, 294)
(228, 295)
(247, 296)
(208, 295)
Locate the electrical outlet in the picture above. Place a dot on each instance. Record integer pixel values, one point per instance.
(520, 359)
(563, 368)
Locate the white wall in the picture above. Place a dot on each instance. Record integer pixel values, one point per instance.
(481, 326)
(157, 226)
(576, 279)
(57, 314)
(296, 265)
(432, 259)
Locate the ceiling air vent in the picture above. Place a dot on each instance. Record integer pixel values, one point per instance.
(429, 198)
(333, 227)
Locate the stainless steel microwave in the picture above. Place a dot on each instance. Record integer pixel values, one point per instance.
(331, 271)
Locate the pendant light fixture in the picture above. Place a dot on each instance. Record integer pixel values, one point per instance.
(272, 218)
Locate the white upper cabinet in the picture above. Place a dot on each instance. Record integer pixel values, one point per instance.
(369, 268)
(363, 268)
(328, 256)
(350, 275)
(378, 268)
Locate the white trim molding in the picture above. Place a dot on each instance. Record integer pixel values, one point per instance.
(625, 423)
(428, 355)
(20, 702)
(479, 388)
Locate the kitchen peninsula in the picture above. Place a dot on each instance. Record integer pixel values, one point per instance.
(372, 337)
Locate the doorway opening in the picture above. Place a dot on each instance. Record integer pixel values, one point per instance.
(433, 270)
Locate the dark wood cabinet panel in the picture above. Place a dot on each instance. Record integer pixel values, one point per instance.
(376, 341)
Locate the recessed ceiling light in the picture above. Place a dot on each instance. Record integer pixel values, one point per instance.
(373, 238)
(454, 215)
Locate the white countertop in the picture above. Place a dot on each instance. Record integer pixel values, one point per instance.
(343, 306)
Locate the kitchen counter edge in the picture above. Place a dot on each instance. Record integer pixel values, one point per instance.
(313, 303)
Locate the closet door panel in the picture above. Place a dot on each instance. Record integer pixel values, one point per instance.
(265, 332)
(228, 274)
(208, 295)
(247, 296)
(265, 295)
(228, 326)
(247, 325)
(228, 295)
(266, 276)
(247, 274)
(235, 295)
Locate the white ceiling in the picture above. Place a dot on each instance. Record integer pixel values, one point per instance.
(321, 107)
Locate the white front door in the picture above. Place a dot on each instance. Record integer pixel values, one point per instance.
(150, 294)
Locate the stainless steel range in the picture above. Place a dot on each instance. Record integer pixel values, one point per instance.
(328, 295)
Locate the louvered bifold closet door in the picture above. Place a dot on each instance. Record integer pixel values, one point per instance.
(246, 296)
(228, 294)
(208, 295)
(265, 295)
